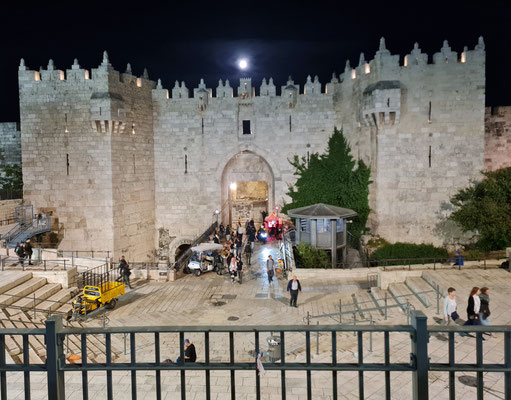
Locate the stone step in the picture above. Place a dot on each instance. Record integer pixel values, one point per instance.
(404, 295)
(415, 285)
(26, 288)
(11, 345)
(379, 296)
(22, 321)
(38, 296)
(11, 279)
(366, 302)
(33, 357)
(60, 299)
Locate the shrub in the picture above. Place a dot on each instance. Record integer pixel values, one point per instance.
(307, 256)
(408, 250)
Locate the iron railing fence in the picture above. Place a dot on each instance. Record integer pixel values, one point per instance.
(418, 366)
(45, 265)
(97, 276)
(410, 263)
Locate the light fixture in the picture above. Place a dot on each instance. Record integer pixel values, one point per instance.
(233, 186)
(217, 211)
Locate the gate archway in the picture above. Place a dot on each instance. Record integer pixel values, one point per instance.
(248, 188)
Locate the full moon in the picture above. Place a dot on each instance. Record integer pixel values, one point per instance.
(243, 64)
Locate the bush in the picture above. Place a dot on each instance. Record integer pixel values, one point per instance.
(407, 251)
(307, 256)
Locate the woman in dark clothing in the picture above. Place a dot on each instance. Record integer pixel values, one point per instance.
(484, 311)
(474, 305)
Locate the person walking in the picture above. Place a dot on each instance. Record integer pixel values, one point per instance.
(228, 233)
(248, 254)
(233, 268)
(29, 251)
(124, 272)
(450, 307)
(20, 251)
(239, 269)
(484, 310)
(239, 246)
(270, 268)
(251, 233)
(293, 286)
(473, 307)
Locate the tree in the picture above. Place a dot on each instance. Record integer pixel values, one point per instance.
(333, 178)
(485, 207)
(11, 179)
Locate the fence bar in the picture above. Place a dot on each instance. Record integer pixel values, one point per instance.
(231, 360)
(452, 377)
(437, 299)
(420, 360)
(54, 354)
(208, 373)
(385, 305)
(258, 378)
(308, 362)
(360, 363)
(282, 361)
(182, 361)
(3, 373)
(133, 361)
(334, 361)
(26, 362)
(386, 345)
(479, 363)
(85, 381)
(157, 361)
(507, 360)
(108, 349)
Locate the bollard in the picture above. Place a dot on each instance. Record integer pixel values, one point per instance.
(64, 265)
(407, 312)
(340, 311)
(44, 264)
(317, 340)
(437, 299)
(385, 306)
(371, 334)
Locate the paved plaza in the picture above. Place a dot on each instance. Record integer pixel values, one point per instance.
(211, 299)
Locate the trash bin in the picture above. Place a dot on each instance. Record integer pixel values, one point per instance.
(273, 348)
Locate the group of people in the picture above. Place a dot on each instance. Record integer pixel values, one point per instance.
(24, 250)
(478, 307)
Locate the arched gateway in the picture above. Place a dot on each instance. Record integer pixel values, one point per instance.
(248, 188)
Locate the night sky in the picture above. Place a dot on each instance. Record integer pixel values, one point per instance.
(192, 40)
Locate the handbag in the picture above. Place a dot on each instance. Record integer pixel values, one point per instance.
(454, 316)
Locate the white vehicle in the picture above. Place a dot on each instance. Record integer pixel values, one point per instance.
(206, 257)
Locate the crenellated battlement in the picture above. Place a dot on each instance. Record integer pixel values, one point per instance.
(384, 66)
(103, 74)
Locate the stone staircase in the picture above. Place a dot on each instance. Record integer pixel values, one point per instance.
(26, 302)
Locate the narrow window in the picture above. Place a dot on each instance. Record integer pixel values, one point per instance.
(429, 113)
(388, 102)
(186, 164)
(246, 127)
(67, 164)
(429, 157)
(308, 159)
(290, 123)
(202, 126)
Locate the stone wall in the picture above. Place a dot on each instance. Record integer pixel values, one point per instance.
(78, 155)
(7, 208)
(128, 165)
(497, 138)
(10, 139)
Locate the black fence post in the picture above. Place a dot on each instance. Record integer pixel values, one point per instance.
(420, 360)
(55, 358)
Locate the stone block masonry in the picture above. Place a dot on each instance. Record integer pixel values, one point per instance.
(10, 139)
(497, 138)
(123, 160)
